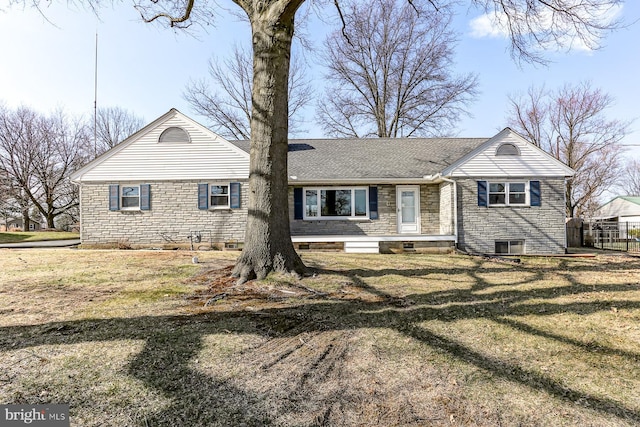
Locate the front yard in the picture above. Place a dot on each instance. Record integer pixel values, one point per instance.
(144, 338)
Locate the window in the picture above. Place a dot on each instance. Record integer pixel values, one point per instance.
(507, 150)
(507, 193)
(336, 202)
(174, 134)
(219, 194)
(509, 247)
(130, 197)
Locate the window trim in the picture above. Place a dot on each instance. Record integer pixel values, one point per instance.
(507, 192)
(352, 217)
(209, 195)
(121, 197)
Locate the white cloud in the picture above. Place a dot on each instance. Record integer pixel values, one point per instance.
(487, 26)
(494, 26)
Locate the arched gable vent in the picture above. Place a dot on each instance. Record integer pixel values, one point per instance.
(174, 134)
(507, 149)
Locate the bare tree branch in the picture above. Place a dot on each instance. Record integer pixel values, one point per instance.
(114, 125)
(393, 78)
(570, 124)
(229, 109)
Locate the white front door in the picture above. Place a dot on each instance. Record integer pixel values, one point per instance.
(408, 202)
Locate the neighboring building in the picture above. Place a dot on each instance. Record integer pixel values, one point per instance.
(618, 218)
(175, 182)
(620, 209)
(15, 224)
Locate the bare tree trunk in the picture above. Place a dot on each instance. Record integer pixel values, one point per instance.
(267, 245)
(25, 220)
(51, 222)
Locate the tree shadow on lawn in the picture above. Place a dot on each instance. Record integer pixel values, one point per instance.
(172, 343)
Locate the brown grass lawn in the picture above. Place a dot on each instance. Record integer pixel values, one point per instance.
(143, 338)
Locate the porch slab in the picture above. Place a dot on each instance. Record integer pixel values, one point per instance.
(378, 238)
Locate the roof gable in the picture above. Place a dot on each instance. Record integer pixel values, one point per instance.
(486, 160)
(144, 157)
(620, 206)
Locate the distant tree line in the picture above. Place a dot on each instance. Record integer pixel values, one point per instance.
(39, 151)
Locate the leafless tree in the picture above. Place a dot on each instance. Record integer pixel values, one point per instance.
(630, 181)
(8, 206)
(268, 244)
(229, 109)
(38, 152)
(114, 125)
(571, 124)
(390, 73)
(17, 129)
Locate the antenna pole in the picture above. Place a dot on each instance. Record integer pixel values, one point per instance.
(95, 102)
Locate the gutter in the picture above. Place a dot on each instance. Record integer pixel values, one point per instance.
(434, 179)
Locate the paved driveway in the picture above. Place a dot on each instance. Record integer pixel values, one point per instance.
(44, 244)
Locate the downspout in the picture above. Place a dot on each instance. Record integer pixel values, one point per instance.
(455, 207)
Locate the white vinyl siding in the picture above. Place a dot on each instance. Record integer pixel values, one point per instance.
(531, 161)
(207, 155)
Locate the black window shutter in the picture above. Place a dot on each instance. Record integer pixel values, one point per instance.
(145, 197)
(297, 203)
(203, 196)
(373, 202)
(535, 196)
(234, 191)
(114, 197)
(482, 193)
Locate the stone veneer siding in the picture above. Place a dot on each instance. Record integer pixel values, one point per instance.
(541, 227)
(386, 224)
(173, 215)
(446, 208)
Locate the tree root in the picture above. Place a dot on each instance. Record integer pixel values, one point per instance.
(250, 266)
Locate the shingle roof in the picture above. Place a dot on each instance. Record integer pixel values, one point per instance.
(388, 158)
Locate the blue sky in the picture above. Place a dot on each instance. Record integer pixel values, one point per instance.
(144, 68)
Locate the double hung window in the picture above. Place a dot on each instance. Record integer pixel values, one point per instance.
(130, 197)
(508, 193)
(219, 196)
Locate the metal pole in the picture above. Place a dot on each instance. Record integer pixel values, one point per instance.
(95, 102)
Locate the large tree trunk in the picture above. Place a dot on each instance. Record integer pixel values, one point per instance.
(267, 243)
(25, 220)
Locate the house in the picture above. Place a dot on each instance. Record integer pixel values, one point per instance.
(175, 182)
(15, 224)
